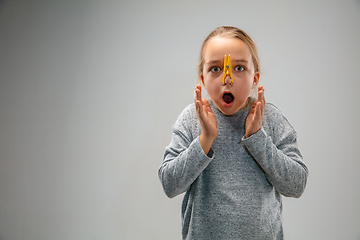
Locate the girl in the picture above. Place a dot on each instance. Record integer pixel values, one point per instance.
(234, 155)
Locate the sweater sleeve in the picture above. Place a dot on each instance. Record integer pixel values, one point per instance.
(184, 158)
(276, 151)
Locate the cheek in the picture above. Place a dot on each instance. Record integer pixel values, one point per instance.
(244, 86)
(244, 90)
(245, 78)
(211, 82)
(210, 88)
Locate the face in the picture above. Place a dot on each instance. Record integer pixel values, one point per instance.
(229, 97)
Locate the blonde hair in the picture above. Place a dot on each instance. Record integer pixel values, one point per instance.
(230, 32)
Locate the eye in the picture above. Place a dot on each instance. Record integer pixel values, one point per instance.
(215, 69)
(239, 68)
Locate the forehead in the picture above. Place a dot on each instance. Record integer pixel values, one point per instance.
(217, 47)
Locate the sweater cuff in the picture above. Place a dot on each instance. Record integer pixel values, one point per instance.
(199, 149)
(261, 134)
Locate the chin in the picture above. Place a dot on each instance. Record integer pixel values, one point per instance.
(228, 111)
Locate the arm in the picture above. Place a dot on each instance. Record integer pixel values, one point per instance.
(279, 156)
(184, 158)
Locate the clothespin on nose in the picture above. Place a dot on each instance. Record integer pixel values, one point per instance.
(227, 68)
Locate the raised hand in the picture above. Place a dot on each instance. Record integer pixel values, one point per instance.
(254, 120)
(207, 120)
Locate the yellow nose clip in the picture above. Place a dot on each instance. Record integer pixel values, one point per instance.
(227, 68)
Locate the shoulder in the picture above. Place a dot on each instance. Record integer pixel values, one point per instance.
(272, 112)
(187, 121)
(188, 113)
(271, 108)
(276, 123)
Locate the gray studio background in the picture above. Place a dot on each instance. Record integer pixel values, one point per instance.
(89, 91)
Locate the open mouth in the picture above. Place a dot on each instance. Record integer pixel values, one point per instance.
(228, 98)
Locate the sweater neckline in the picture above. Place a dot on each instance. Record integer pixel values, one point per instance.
(246, 109)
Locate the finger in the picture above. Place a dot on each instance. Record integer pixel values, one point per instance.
(200, 111)
(253, 107)
(263, 93)
(199, 105)
(199, 92)
(197, 87)
(260, 93)
(197, 96)
(203, 115)
(261, 97)
(258, 112)
(207, 105)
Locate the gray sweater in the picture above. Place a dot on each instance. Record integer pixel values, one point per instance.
(233, 192)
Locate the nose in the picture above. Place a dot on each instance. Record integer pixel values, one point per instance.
(227, 80)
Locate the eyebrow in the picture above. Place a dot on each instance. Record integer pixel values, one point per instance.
(241, 60)
(214, 62)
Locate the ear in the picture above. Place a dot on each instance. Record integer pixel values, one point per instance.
(202, 79)
(256, 78)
